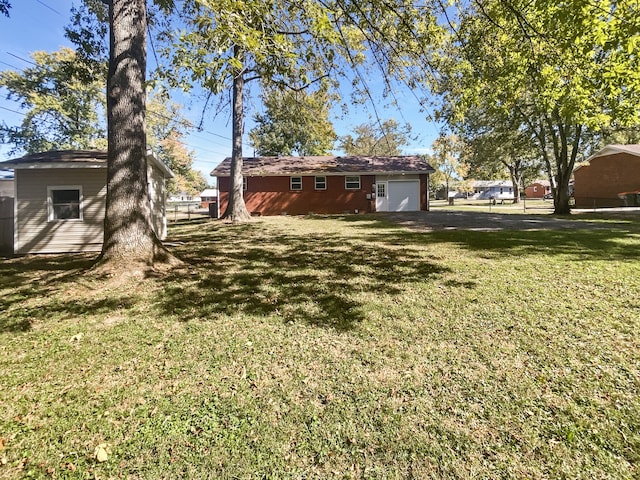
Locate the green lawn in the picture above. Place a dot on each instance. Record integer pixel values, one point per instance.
(329, 348)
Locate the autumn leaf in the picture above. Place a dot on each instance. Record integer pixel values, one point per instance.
(102, 452)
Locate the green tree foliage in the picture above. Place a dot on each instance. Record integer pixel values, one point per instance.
(62, 109)
(498, 148)
(295, 122)
(4, 7)
(376, 139)
(166, 129)
(446, 160)
(565, 70)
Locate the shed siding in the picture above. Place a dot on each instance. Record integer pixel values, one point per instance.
(35, 234)
(157, 194)
(599, 183)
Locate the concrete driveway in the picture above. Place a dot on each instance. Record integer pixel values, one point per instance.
(482, 221)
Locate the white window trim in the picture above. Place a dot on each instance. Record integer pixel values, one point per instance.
(245, 183)
(315, 182)
(291, 184)
(50, 190)
(352, 188)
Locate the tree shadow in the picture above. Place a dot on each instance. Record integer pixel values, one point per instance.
(35, 277)
(315, 278)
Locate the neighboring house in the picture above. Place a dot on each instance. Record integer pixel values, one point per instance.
(6, 211)
(6, 183)
(180, 197)
(61, 196)
(538, 189)
(329, 185)
(491, 190)
(207, 196)
(609, 178)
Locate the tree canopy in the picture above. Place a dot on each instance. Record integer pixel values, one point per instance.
(63, 109)
(561, 70)
(376, 139)
(295, 122)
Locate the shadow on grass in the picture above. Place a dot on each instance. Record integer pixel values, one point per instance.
(31, 278)
(325, 279)
(314, 278)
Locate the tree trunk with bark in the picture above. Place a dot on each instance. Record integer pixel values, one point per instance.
(236, 210)
(130, 243)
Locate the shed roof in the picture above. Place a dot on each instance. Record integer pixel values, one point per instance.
(72, 159)
(325, 165)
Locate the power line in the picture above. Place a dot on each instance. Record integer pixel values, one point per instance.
(49, 7)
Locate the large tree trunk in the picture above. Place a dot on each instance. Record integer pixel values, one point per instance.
(130, 243)
(565, 162)
(236, 210)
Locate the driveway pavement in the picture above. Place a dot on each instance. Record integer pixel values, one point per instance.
(482, 221)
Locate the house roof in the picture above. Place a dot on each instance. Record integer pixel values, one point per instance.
(616, 148)
(325, 165)
(491, 183)
(72, 159)
(544, 183)
(209, 192)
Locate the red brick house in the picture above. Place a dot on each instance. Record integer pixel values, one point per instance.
(538, 189)
(609, 178)
(326, 185)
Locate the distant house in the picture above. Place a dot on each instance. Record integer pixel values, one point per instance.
(207, 196)
(329, 185)
(6, 183)
(538, 189)
(6, 211)
(61, 196)
(609, 178)
(492, 190)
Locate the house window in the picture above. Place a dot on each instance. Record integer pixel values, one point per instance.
(296, 183)
(535, 189)
(382, 190)
(321, 183)
(245, 182)
(64, 203)
(352, 183)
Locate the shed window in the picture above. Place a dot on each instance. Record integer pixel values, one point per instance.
(352, 183)
(65, 203)
(321, 183)
(296, 183)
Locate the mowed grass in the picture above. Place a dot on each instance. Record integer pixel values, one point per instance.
(341, 347)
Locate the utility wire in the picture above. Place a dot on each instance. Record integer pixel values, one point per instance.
(49, 7)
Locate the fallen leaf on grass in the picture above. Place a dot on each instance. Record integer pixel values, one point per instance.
(102, 452)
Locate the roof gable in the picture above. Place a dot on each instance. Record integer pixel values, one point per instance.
(325, 165)
(616, 148)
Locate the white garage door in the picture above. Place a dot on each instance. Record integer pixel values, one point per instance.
(404, 196)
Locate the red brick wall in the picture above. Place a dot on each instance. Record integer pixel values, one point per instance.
(539, 192)
(273, 196)
(598, 184)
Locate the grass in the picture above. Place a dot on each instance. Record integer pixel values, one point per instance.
(340, 347)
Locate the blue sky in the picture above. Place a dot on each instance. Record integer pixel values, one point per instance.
(39, 25)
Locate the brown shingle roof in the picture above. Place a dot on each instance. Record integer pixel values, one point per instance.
(72, 158)
(60, 156)
(268, 166)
